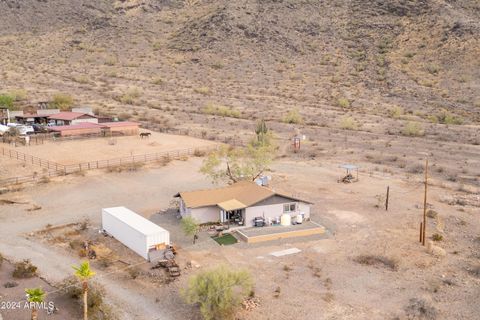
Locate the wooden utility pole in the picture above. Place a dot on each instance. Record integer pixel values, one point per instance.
(421, 231)
(386, 198)
(425, 203)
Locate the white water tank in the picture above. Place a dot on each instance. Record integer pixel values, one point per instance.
(299, 218)
(286, 220)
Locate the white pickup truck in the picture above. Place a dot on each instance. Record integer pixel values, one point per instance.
(22, 129)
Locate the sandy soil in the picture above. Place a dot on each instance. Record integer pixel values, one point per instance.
(67, 309)
(321, 282)
(71, 152)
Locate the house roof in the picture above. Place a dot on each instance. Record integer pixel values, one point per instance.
(69, 116)
(29, 115)
(236, 196)
(83, 125)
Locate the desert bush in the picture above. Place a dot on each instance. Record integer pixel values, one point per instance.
(420, 309)
(44, 179)
(18, 94)
(433, 68)
(293, 116)
(343, 103)
(437, 237)
(202, 90)
(61, 101)
(1, 260)
(432, 213)
(10, 284)
(218, 292)
(413, 129)
(222, 111)
(476, 270)
(75, 244)
(371, 260)
(157, 81)
(24, 269)
(134, 272)
(348, 123)
(446, 117)
(124, 116)
(130, 96)
(6, 100)
(396, 112)
(199, 153)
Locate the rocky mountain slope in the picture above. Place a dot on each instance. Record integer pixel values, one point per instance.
(254, 55)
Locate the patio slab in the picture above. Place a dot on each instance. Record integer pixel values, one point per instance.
(260, 234)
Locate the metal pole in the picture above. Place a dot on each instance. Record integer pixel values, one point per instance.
(425, 202)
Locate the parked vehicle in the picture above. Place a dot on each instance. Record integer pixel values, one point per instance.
(22, 129)
(3, 129)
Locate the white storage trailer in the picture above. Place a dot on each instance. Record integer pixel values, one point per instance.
(139, 234)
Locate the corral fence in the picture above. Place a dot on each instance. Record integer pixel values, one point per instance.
(53, 169)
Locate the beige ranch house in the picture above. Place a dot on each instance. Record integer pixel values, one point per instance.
(240, 203)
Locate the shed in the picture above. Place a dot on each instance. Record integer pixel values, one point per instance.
(122, 127)
(77, 129)
(134, 231)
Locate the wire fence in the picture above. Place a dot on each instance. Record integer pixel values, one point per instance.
(54, 169)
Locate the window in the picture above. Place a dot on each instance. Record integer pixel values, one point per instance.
(290, 207)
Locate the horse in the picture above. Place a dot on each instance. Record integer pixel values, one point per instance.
(145, 135)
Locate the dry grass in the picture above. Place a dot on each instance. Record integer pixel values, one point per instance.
(377, 260)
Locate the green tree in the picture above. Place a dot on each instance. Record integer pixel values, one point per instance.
(84, 273)
(190, 227)
(35, 296)
(218, 292)
(242, 163)
(6, 100)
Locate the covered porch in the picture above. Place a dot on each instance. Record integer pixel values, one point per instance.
(232, 212)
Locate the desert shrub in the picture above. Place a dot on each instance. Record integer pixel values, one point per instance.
(157, 81)
(18, 94)
(199, 153)
(1, 259)
(396, 112)
(61, 101)
(124, 116)
(130, 96)
(420, 309)
(437, 237)
(24, 269)
(222, 111)
(75, 244)
(293, 116)
(432, 213)
(202, 90)
(476, 270)
(343, 103)
(349, 123)
(218, 292)
(134, 272)
(44, 179)
(6, 100)
(372, 260)
(433, 68)
(10, 284)
(446, 117)
(413, 129)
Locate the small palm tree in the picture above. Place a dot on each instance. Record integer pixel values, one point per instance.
(35, 295)
(84, 273)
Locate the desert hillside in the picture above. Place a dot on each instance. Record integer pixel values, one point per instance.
(174, 64)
